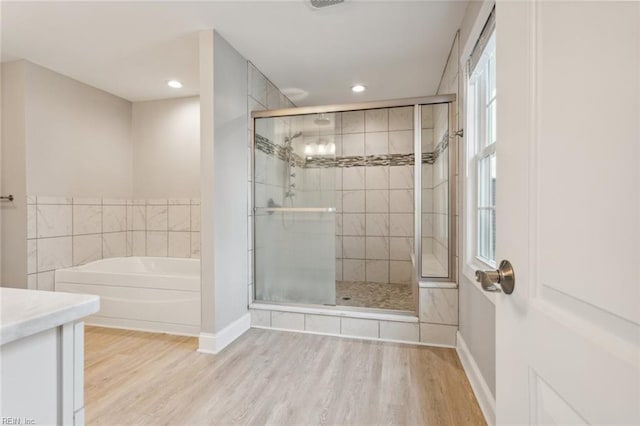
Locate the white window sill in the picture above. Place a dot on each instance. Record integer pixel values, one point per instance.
(469, 272)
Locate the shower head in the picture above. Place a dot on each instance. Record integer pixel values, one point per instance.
(322, 120)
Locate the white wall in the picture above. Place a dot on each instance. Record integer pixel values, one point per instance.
(230, 174)
(0, 174)
(78, 138)
(207, 254)
(166, 148)
(14, 215)
(223, 153)
(230, 88)
(478, 329)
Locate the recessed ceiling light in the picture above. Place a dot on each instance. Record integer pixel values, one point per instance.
(358, 88)
(174, 83)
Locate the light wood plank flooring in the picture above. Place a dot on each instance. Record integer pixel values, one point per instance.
(272, 377)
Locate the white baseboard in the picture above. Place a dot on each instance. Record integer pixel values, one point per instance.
(210, 343)
(480, 388)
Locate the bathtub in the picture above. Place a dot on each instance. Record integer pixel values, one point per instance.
(156, 294)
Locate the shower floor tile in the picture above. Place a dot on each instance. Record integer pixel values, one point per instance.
(374, 295)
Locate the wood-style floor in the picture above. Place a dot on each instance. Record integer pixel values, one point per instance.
(272, 377)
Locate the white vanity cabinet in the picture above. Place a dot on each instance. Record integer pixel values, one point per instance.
(42, 356)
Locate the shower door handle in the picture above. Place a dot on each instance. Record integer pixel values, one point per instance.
(296, 209)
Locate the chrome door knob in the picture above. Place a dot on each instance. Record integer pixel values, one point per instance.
(502, 279)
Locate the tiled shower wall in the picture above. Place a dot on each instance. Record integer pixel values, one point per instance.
(435, 182)
(369, 181)
(427, 182)
(374, 203)
(440, 208)
(64, 232)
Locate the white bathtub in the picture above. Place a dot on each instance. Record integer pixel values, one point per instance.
(141, 293)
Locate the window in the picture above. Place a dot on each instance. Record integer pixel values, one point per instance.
(481, 154)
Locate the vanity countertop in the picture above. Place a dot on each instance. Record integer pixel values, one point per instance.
(27, 312)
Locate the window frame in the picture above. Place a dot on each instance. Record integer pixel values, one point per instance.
(478, 149)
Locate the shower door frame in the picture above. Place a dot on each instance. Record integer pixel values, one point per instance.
(417, 103)
(452, 196)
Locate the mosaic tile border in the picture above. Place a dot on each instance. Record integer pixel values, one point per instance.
(440, 148)
(285, 154)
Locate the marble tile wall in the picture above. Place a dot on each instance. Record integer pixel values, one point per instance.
(435, 190)
(164, 227)
(439, 305)
(427, 182)
(64, 232)
(375, 204)
(364, 328)
(440, 207)
(373, 187)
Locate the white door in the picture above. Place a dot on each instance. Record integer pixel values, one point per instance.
(568, 212)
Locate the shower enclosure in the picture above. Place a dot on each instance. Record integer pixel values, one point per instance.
(344, 215)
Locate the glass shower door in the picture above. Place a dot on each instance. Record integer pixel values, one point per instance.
(294, 215)
(436, 176)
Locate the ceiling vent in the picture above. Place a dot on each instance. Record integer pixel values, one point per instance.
(319, 4)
